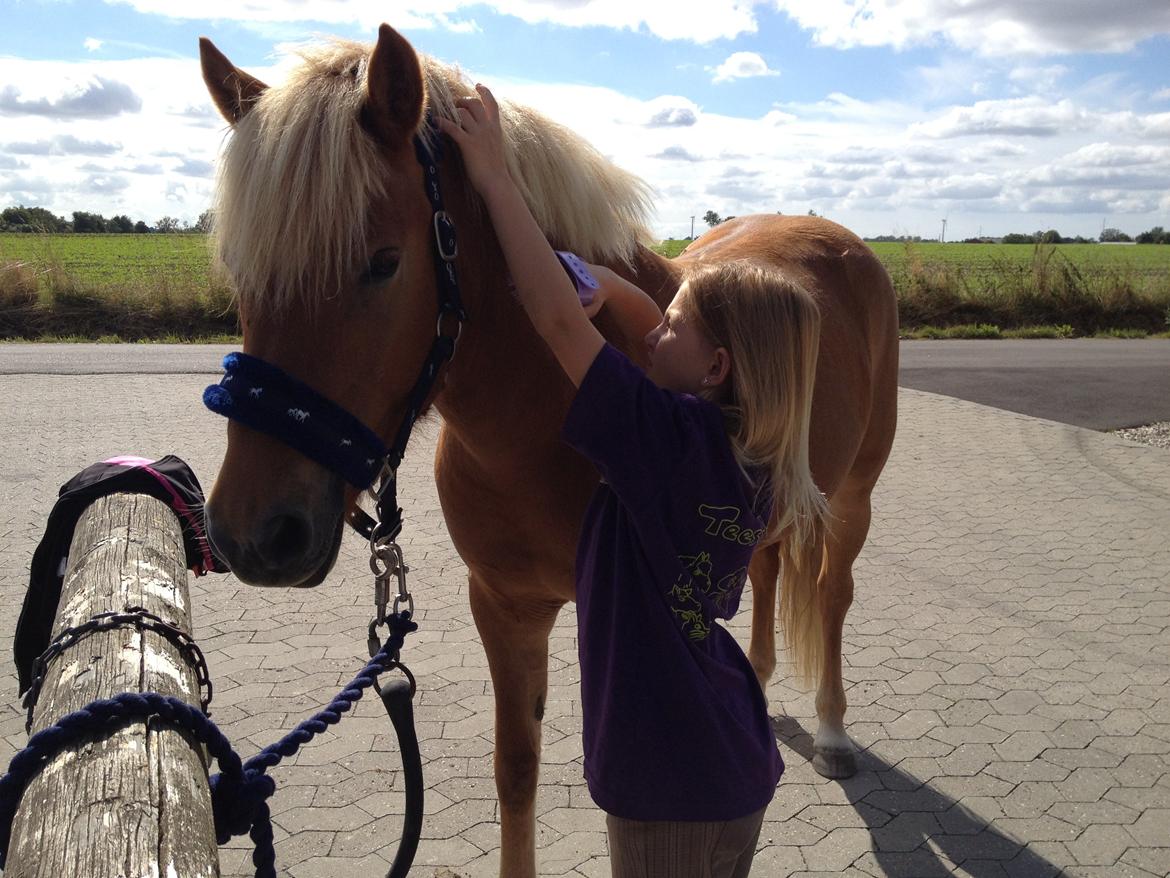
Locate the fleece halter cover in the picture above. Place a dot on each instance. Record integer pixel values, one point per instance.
(262, 396)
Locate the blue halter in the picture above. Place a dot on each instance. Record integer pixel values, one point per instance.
(262, 396)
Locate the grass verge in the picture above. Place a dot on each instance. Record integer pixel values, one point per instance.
(162, 289)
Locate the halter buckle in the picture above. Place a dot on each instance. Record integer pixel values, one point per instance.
(443, 219)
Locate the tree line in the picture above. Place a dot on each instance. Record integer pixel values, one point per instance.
(38, 219)
(1156, 235)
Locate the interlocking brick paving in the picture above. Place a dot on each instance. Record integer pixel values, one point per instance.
(1006, 658)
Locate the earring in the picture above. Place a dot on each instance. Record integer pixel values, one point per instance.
(706, 381)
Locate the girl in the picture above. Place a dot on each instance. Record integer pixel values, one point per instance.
(679, 749)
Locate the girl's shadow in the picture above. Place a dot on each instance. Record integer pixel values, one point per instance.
(904, 813)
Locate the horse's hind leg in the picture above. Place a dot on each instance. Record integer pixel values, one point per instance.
(515, 636)
(833, 753)
(764, 571)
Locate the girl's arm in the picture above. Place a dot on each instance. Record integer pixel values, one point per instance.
(542, 286)
(635, 311)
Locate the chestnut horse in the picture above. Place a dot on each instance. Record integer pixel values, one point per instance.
(326, 231)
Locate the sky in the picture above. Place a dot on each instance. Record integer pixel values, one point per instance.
(892, 117)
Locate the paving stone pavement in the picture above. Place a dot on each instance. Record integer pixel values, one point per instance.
(1007, 659)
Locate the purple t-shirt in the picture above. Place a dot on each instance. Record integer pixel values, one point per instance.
(675, 724)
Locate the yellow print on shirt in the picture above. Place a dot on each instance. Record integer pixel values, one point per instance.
(721, 522)
(684, 604)
(697, 575)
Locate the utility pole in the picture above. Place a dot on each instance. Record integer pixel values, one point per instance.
(692, 227)
(943, 237)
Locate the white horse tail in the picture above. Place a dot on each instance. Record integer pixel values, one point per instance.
(801, 567)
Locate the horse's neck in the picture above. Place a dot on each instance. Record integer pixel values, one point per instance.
(657, 275)
(504, 390)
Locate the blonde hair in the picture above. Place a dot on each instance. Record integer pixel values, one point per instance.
(770, 326)
(299, 177)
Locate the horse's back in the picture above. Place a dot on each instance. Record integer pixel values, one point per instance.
(855, 402)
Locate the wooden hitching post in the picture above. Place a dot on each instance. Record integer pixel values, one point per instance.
(136, 802)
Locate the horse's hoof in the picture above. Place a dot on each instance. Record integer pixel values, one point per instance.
(835, 763)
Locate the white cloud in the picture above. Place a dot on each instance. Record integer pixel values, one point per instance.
(195, 168)
(1033, 79)
(92, 45)
(993, 151)
(777, 117)
(1156, 125)
(743, 65)
(1018, 117)
(953, 77)
(872, 164)
(991, 27)
(103, 184)
(968, 187)
(76, 98)
(63, 144)
(841, 172)
(1116, 156)
(859, 155)
(677, 153)
(1161, 95)
(671, 111)
(65, 123)
(699, 23)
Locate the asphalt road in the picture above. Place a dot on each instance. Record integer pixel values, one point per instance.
(1102, 384)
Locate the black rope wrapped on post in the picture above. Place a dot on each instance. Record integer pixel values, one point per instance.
(241, 790)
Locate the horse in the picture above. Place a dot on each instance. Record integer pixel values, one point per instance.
(325, 230)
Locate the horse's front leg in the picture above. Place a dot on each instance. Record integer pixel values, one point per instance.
(515, 634)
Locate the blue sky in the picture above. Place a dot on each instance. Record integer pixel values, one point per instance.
(886, 115)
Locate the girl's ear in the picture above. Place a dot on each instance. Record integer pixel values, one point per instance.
(719, 369)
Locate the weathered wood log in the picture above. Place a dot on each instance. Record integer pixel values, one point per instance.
(136, 802)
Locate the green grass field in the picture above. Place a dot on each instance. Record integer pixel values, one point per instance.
(1070, 289)
(155, 286)
(123, 287)
(984, 265)
(114, 261)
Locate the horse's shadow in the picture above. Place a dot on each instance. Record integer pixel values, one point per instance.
(947, 828)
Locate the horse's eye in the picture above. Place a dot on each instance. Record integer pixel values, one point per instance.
(382, 267)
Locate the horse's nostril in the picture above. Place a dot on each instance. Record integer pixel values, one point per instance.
(284, 538)
(223, 545)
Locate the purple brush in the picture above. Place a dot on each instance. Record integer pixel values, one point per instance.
(579, 274)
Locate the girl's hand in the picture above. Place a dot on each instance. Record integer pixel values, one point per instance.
(596, 303)
(480, 139)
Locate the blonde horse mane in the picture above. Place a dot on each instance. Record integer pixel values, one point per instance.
(298, 179)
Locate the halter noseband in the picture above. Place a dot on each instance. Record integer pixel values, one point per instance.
(262, 396)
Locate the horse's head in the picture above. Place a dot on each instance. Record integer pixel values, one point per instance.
(325, 228)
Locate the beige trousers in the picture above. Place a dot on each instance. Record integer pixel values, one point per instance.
(681, 849)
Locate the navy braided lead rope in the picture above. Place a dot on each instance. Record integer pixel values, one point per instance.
(239, 793)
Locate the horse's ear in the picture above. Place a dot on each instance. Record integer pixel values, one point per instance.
(233, 90)
(394, 89)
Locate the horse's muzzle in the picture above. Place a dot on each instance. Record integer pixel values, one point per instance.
(289, 548)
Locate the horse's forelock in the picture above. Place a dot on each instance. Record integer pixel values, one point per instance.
(299, 175)
(296, 180)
